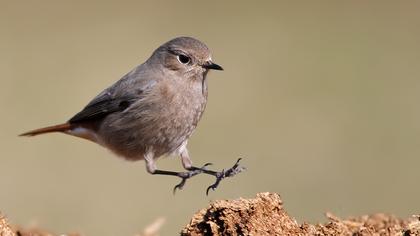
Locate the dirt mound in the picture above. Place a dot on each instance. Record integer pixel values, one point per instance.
(265, 215)
(5, 229)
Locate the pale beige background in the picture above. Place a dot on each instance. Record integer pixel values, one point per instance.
(321, 98)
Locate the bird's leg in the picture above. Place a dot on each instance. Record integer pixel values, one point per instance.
(187, 163)
(183, 175)
(235, 169)
(152, 169)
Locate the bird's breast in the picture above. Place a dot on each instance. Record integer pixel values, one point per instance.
(182, 105)
(176, 109)
(162, 120)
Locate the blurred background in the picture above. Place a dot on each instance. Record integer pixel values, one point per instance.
(320, 98)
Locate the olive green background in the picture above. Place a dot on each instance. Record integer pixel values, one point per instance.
(320, 98)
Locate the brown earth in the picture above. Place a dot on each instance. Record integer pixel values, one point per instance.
(5, 229)
(263, 215)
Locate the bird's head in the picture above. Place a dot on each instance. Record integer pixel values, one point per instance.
(185, 56)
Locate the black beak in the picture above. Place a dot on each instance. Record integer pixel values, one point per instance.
(212, 66)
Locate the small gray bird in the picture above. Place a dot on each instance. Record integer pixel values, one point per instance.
(152, 110)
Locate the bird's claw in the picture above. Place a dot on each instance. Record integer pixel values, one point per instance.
(207, 164)
(219, 176)
(180, 185)
(234, 170)
(186, 175)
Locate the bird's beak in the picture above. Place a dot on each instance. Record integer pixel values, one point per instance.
(212, 66)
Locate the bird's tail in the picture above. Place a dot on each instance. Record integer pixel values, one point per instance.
(50, 129)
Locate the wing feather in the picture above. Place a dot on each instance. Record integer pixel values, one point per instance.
(102, 106)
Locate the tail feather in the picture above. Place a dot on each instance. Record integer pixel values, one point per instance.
(50, 129)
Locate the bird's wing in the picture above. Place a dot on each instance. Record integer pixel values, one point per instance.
(118, 97)
(103, 105)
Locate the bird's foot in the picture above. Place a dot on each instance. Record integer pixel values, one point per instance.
(235, 169)
(193, 171)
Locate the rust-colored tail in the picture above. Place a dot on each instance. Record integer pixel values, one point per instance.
(50, 129)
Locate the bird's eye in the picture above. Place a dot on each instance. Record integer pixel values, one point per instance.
(184, 59)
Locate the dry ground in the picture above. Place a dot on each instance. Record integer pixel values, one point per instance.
(263, 215)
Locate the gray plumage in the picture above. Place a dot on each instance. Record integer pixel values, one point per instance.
(152, 110)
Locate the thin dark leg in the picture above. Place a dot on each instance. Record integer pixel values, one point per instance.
(193, 171)
(235, 169)
(183, 175)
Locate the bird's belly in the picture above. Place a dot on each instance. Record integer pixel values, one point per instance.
(161, 131)
(173, 132)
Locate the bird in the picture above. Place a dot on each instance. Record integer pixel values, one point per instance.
(152, 110)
